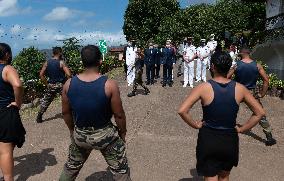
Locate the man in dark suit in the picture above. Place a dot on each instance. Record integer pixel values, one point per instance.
(157, 61)
(168, 59)
(149, 61)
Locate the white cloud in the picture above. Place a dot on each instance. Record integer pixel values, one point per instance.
(64, 13)
(59, 14)
(10, 7)
(16, 29)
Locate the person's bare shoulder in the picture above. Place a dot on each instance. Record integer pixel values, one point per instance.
(111, 86)
(203, 87)
(9, 69)
(66, 85)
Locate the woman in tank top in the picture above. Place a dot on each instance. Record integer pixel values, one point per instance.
(12, 132)
(217, 148)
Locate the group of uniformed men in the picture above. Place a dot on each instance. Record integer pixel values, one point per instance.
(167, 56)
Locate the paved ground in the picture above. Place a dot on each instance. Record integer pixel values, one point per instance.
(161, 147)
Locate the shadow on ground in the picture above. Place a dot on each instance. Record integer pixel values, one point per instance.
(254, 136)
(100, 176)
(57, 116)
(194, 175)
(33, 164)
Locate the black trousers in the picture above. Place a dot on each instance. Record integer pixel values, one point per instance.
(157, 70)
(167, 73)
(150, 73)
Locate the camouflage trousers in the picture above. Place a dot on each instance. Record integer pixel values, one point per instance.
(49, 94)
(138, 81)
(263, 122)
(107, 141)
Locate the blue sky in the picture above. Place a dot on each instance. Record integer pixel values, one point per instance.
(42, 22)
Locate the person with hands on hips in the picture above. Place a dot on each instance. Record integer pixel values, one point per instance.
(89, 100)
(217, 148)
(12, 132)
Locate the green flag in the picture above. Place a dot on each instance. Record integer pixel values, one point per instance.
(103, 46)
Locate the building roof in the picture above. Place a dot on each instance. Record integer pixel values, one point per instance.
(118, 49)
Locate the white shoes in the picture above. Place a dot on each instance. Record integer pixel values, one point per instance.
(184, 85)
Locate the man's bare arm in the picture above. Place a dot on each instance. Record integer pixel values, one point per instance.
(66, 108)
(42, 73)
(117, 108)
(265, 80)
(231, 72)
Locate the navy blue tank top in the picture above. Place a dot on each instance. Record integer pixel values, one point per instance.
(247, 74)
(90, 105)
(6, 91)
(222, 112)
(54, 72)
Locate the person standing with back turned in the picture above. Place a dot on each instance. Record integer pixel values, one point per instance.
(55, 70)
(217, 149)
(89, 101)
(247, 72)
(12, 132)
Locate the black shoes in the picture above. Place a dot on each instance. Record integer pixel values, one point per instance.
(131, 94)
(270, 140)
(39, 118)
(147, 91)
(148, 83)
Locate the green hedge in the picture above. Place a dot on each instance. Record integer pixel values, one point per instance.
(30, 60)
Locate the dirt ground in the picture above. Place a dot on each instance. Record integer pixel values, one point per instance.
(160, 146)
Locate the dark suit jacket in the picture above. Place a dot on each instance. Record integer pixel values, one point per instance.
(168, 56)
(150, 56)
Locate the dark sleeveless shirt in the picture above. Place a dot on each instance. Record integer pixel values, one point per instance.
(54, 72)
(6, 91)
(222, 112)
(247, 74)
(90, 105)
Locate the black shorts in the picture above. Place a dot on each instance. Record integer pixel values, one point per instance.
(11, 127)
(216, 151)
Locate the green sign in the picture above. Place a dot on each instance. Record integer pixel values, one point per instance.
(103, 46)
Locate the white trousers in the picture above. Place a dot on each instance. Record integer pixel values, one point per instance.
(130, 75)
(201, 69)
(188, 72)
(208, 61)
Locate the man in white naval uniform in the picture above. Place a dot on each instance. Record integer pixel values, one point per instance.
(212, 44)
(188, 56)
(130, 62)
(203, 53)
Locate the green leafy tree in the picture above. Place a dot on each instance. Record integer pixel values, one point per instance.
(28, 64)
(143, 18)
(71, 52)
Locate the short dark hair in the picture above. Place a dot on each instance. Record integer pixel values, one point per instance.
(4, 49)
(245, 50)
(91, 56)
(222, 62)
(56, 50)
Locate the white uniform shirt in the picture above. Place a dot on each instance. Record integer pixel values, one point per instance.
(203, 52)
(131, 55)
(212, 44)
(234, 57)
(189, 52)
